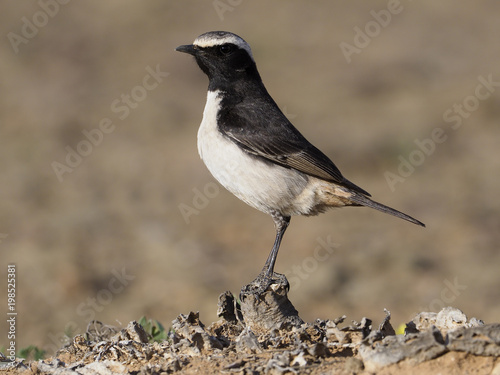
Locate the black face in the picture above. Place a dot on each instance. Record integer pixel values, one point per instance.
(222, 62)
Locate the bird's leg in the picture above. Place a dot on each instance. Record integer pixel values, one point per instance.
(267, 275)
(281, 224)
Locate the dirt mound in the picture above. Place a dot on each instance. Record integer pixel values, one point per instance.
(447, 342)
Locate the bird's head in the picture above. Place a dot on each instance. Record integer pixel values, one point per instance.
(222, 55)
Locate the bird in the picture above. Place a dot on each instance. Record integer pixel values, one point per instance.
(255, 152)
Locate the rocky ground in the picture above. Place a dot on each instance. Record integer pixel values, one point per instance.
(247, 341)
(140, 227)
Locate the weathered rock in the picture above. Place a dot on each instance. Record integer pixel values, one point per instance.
(446, 320)
(105, 367)
(247, 342)
(271, 309)
(226, 307)
(98, 331)
(393, 349)
(480, 340)
(433, 335)
(134, 332)
(192, 329)
(386, 327)
(234, 344)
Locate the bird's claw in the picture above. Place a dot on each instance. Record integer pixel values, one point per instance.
(263, 282)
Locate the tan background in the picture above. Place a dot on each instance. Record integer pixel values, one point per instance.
(119, 208)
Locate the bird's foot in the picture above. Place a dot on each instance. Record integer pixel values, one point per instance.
(264, 281)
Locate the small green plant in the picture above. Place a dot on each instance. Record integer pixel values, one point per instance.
(31, 352)
(154, 328)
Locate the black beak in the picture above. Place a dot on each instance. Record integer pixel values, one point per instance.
(189, 48)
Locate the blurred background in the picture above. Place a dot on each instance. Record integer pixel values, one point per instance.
(108, 213)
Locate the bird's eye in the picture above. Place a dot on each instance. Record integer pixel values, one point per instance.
(225, 49)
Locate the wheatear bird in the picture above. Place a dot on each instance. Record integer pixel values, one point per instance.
(252, 149)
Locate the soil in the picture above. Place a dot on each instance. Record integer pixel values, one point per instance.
(240, 342)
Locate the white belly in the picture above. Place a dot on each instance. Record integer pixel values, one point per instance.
(265, 186)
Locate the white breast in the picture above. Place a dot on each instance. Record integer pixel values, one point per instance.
(264, 186)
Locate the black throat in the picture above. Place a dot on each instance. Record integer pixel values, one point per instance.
(236, 81)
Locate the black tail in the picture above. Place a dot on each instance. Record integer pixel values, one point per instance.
(364, 201)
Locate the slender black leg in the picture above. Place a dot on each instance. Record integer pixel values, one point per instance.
(281, 224)
(267, 276)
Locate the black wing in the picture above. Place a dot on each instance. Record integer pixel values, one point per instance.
(264, 131)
